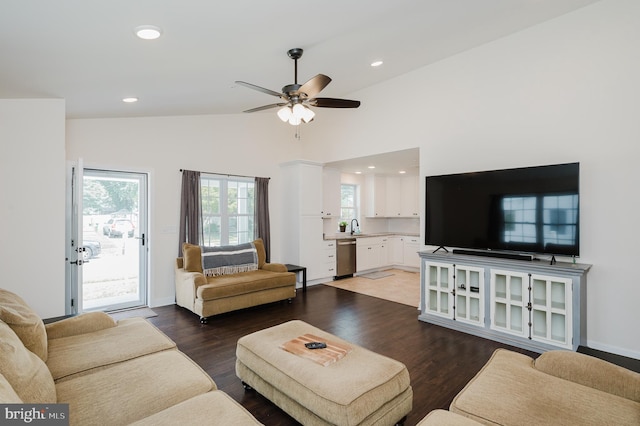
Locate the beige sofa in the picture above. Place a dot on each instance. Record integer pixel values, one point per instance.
(557, 388)
(212, 295)
(108, 372)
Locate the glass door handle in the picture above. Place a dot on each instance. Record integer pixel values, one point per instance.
(141, 237)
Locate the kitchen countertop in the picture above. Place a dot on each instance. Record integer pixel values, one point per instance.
(344, 235)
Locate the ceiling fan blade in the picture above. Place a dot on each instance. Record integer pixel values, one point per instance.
(312, 87)
(259, 89)
(333, 103)
(260, 108)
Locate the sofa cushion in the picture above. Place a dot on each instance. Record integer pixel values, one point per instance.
(81, 324)
(592, 372)
(7, 394)
(131, 338)
(130, 391)
(192, 255)
(24, 370)
(24, 321)
(508, 390)
(243, 283)
(215, 407)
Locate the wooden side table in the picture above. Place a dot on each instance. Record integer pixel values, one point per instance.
(296, 269)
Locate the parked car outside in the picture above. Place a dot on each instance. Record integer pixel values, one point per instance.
(90, 248)
(117, 227)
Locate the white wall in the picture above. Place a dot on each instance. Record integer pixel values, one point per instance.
(238, 144)
(563, 91)
(32, 214)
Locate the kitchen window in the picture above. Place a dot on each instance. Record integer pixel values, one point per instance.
(349, 202)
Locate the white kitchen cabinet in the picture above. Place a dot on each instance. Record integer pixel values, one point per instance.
(409, 197)
(533, 305)
(396, 250)
(376, 192)
(393, 200)
(311, 246)
(410, 248)
(330, 193)
(383, 257)
(310, 189)
(392, 196)
(371, 253)
(328, 259)
(302, 200)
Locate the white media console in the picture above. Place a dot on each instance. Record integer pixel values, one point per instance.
(533, 304)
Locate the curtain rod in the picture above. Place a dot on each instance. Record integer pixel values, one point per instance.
(227, 174)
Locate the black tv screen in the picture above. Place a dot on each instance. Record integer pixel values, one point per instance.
(526, 210)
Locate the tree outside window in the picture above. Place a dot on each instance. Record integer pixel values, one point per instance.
(227, 210)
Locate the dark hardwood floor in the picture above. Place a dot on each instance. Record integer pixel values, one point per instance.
(440, 361)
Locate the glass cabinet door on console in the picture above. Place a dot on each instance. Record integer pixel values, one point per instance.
(469, 294)
(509, 299)
(439, 286)
(534, 306)
(551, 310)
(455, 292)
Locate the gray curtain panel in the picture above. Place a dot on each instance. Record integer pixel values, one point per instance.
(263, 227)
(190, 210)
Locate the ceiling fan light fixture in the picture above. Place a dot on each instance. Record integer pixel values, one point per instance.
(298, 111)
(308, 115)
(284, 113)
(294, 121)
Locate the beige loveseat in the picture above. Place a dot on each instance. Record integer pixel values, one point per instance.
(108, 372)
(557, 388)
(212, 295)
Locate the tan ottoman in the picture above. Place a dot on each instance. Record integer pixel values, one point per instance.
(446, 418)
(362, 388)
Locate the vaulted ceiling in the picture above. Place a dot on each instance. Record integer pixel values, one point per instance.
(87, 53)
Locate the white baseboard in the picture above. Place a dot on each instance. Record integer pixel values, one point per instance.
(162, 302)
(613, 349)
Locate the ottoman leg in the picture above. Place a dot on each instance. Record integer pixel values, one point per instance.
(246, 386)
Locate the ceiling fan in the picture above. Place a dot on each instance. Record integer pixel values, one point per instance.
(297, 98)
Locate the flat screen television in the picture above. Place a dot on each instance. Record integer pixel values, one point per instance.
(533, 210)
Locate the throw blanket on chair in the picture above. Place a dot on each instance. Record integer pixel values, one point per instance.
(229, 259)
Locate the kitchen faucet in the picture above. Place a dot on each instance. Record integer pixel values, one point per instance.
(357, 224)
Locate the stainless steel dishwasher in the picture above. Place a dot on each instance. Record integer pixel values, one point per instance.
(345, 257)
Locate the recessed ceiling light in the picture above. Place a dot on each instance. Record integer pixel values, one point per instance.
(148, 32)
(129, 100)
(372, 167)
(376, 63)
(402, 172)
(358, 173)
